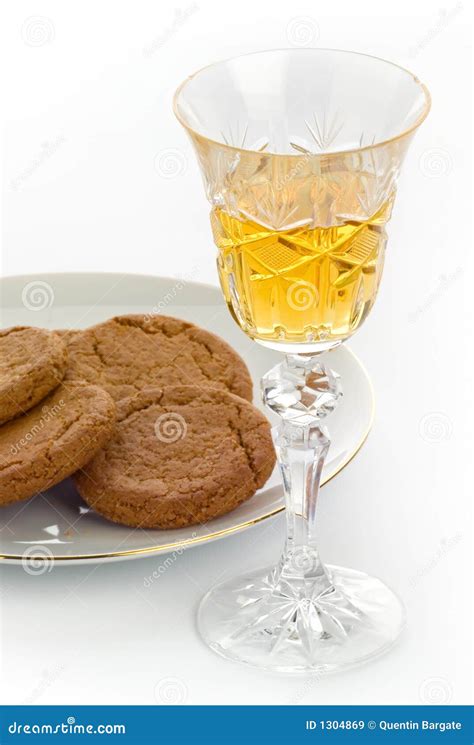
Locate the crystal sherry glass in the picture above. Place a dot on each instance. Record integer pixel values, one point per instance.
(300, 152)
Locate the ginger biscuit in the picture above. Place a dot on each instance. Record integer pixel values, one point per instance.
(129, 353)
(53, 440)
(32, 363)
(179, 456)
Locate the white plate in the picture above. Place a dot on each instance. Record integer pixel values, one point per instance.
(57, 525)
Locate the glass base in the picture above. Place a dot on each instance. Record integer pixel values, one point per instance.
(333, 621)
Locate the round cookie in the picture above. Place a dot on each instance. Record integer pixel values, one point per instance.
(53, 440)
(32, 363)
(129, 353)
(179, 456)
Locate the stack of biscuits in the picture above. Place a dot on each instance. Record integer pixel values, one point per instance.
(151, 415)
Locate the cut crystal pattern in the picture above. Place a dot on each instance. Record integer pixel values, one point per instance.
(331, 622)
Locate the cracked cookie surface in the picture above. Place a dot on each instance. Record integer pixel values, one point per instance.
(179, 456)
(32, 363)
(54, 439)
(129, 353)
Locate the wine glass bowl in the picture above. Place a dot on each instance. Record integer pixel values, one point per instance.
(300, 152)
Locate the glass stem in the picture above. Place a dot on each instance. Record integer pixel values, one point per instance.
(301, 390)
(301, 451)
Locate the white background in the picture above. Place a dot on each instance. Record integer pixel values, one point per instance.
(88, 121)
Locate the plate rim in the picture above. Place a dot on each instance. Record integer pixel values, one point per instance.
(168, 547)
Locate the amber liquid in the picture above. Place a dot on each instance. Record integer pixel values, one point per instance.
(303, 286)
